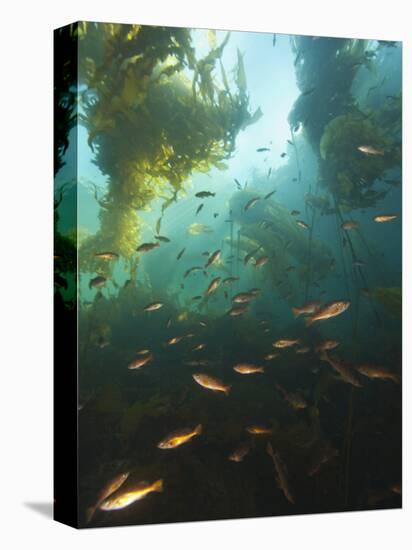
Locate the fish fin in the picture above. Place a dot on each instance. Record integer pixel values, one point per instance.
(90, 513)
(198, 429)
(158, 486)
(308, 321)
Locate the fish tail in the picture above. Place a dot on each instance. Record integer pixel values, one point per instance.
(261, 369)
(158, 486)
(395, 378)
(323, 356)
(227, 389)
(295, 311)
(198, 429)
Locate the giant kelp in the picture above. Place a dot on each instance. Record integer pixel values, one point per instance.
(325, 69)
(346, 171)
(334, 124)
(154, 114)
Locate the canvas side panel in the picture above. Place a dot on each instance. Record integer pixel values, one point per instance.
(65, 275)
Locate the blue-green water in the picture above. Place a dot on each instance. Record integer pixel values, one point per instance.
(283, 208)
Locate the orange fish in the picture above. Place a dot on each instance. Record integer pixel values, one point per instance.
(211, 383)
(247, 368)
(179, 437)
(372, 371)
(330, 310)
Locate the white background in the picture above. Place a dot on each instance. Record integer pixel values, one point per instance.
(26, 271)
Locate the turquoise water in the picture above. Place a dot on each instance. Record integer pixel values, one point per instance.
(283, 209)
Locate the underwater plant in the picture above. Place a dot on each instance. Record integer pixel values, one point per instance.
(154, 116)
(347, 172)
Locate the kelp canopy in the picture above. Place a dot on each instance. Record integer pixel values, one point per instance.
(154, 114)
(334, 124)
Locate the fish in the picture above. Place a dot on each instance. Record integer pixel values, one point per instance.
(147, 247)
(370, 150)
(238, 184)
(230, 280)
(271, 356)
(110, 487)
(347, 226)
(247, 368)
(215, 214)
(211, 383)
(263, 260)
(162, 239)
(204, 194)
(199, 208)
(306, 309)
(251, 203)
(174, 340)
(213, 258)
(327, 312)
(131, 495)
(180, 254)
(249, 256)
(153, 306)
(97, 282)
(345, 371)
(158, 224)
(196, 229)
(256, 429)
(202, 324)
(107, 255)
(244, 297)
(302, 224)
(143, 359)
(262, 149)
(199, 347)
(328, 453)
(283, 155)
(295, 400)
(305, 349)
(240, 452)
(372, 371)
(199, 363)
(281, 473)
(192, 270)
(326, 345)
(274, 40)
(285, 343)
(236, 311)
(194, 298)
(295, 212)
(254, 291)
(179, 437)
(385, 218)
(269, 172)
(213, 285)
(269, 194)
